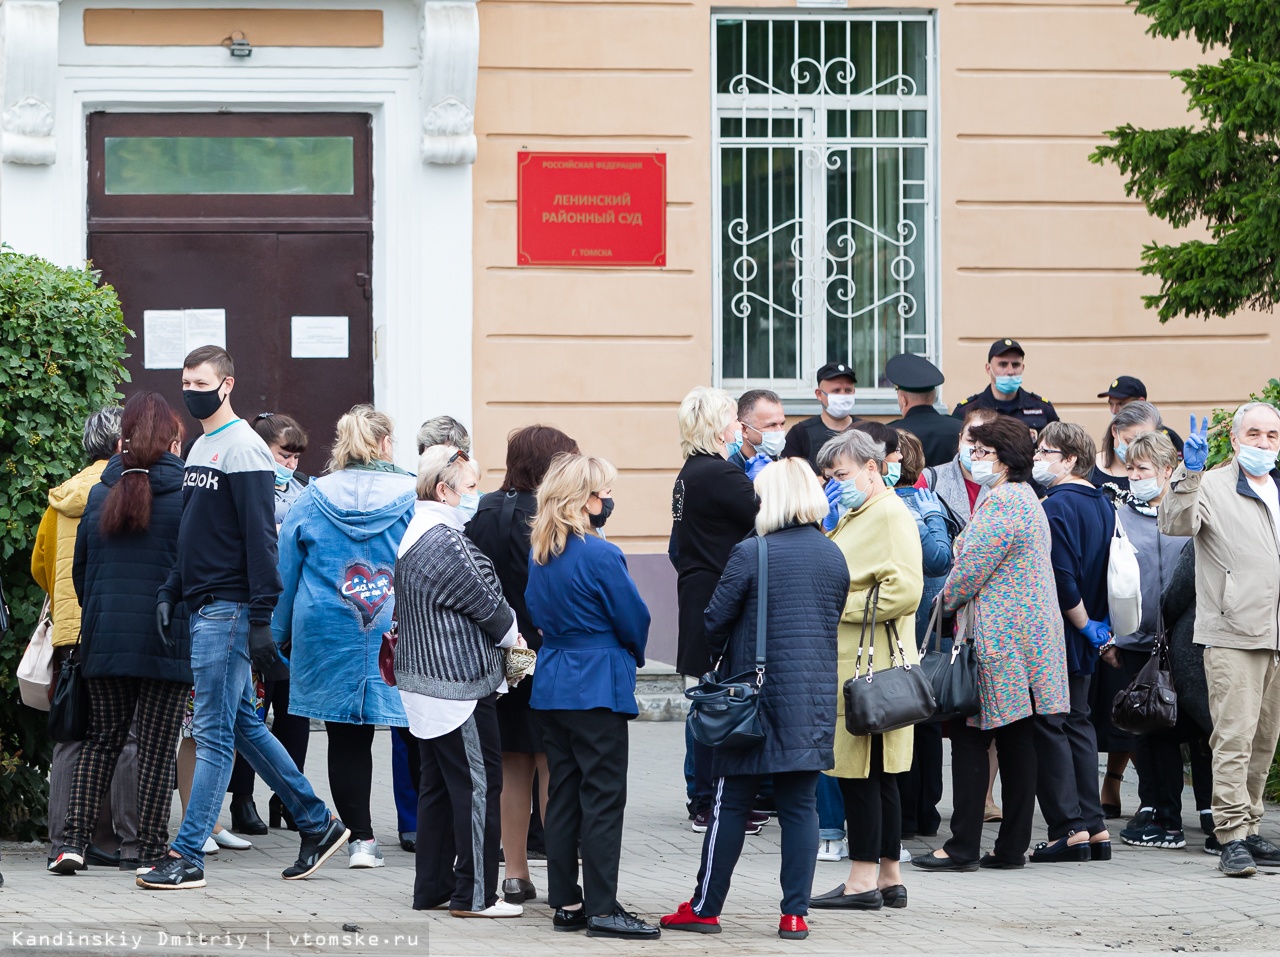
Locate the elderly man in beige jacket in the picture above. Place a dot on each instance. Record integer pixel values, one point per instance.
(1233, 512)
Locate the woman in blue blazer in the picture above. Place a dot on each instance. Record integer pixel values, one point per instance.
(594, 627)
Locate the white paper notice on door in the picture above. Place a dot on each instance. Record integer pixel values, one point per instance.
(320, 337)
(164, 339)
(169, 334)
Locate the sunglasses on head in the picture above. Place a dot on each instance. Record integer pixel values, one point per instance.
(459, 455)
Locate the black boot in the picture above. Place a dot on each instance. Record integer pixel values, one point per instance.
(244, 816)
(277, 811)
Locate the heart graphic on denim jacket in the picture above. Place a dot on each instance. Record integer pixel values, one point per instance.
(367, 590)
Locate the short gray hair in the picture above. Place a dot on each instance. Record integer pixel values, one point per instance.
(443, 430)
(854, 445)
(1238, 419)
(102, 433)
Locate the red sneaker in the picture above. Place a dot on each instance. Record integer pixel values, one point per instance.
(685, 919)
(792, 927)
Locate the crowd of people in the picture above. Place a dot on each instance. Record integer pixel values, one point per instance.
(201, 587)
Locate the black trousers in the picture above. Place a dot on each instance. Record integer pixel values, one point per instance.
(459, 815)
(873, 810)
(113, 702)
(290, 730)
(970, 773)
(587, 755)
(796, 796)
(921, 787)
(1067, 781)
(351, 775)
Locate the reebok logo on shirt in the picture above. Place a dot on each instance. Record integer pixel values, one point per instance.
(200, 478)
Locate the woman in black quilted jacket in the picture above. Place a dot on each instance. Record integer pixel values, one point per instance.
(125, 547)
(808, 581)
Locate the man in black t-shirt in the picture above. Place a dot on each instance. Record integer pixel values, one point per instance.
(836, 386)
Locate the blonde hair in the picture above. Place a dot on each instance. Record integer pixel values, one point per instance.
(434, 467)
(360, 432)
(790, 494)
(1154, 447)
(704, 414)
(562, 502)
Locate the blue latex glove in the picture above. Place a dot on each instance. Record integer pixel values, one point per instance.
(832, 490)
(1195, 450)
(756, 464)
(928, 503)
(1098, 632)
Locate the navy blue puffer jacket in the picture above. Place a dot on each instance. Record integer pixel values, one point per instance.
(808, 585)
(117, 580)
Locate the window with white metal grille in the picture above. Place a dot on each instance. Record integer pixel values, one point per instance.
(825, 140)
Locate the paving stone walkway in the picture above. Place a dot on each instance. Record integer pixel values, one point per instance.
(1143, 901)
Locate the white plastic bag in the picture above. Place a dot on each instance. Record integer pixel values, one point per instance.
(35, 670)
(1124, 584)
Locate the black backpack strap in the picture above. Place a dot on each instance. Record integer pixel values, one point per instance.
(762, 604)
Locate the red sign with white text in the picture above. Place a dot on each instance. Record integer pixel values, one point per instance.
(591, 209)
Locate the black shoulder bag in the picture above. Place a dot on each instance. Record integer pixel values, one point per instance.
(952, 674)
(726, 714)
(69, 706)
(880, 702)
(1150, 702)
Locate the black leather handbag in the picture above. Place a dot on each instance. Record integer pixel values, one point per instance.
(953, 674)
(897, 697)
(69, 707)
(726, 714)
(1149, 703)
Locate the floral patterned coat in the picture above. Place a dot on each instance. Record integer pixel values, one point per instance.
(1002, 568)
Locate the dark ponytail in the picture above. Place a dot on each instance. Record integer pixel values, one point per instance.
(147, 430)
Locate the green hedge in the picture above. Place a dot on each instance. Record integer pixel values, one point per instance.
(60, 359)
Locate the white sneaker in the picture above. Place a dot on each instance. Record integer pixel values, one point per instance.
(833, 850)
(210, 845)
(500, 909)
(225, 838)
(364, 854)
(904, 856)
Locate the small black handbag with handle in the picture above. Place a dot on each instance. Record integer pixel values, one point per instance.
(69, 706)
(1149, 702)
(726, 714)
(884, 701)
(952, 674)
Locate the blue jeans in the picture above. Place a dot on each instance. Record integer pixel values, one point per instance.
(830, 809)
(225, 722)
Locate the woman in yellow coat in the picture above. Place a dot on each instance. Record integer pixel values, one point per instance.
(878, 537)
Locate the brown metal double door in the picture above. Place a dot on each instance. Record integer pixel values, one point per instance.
(262, 280)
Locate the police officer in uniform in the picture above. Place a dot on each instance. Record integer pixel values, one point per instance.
(835, 391)
(1005, 393)
(917, 380)
(1126, 389)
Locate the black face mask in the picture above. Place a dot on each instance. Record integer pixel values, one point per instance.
(203, 405)
(606, 509)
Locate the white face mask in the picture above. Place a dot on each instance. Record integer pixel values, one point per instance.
(1144, 490)
(983, 472)
(771, 443)
(1043, 473)
(839, 405)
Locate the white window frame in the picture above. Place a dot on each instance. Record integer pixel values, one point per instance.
(814, 141)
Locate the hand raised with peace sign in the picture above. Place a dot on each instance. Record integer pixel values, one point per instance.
(1195, 451)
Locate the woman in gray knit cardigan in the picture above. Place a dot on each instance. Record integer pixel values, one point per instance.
(454, 624)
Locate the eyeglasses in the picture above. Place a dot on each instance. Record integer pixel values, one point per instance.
(1047, 451)
(979, 452)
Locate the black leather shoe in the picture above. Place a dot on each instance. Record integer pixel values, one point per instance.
(1060, 852)
(1101, 851)
(244, 816)
(409, 841)
(1262, 850)
(894, 896)
(838, 899)
(277, 812)
(931, 862)
(992, 863)
(569, 919)
(622, 925)
(97, 857)
(516, 890)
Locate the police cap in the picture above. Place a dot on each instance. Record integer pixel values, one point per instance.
(1125, 387)
(1001, 346)
(836, 370)
(912, 373)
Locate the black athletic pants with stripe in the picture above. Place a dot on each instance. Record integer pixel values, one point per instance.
(459, 815)
(796, 796)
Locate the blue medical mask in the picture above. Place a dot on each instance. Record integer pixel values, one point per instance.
(1122, 450)
(851, 497)
(771, 443)
(284, 474)
(467, 505)
(1008, 384)
(892, 473)
(1144, 490)
(1257, 462)
(736, 445)
(966, 457)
